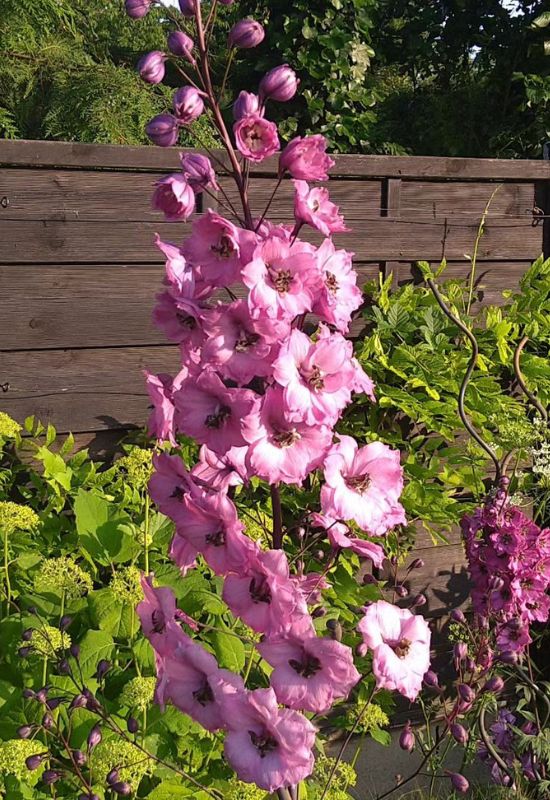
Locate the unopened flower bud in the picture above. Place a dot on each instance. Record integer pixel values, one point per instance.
(79, 758)
(318, 612)
(47, 722)
(470, 665)
(152, 67)
(495, 684)
(279, 84)
(509, 657)
(79, 701)
(401, 590)
(163, 130)
(132, 725)
(419, 601)
(33, 762)
(458, 616)
(335, 629)
(65, 622)
(42, 694)
(188, 105)
(94, 737)
(74, 650)
(418, 563)
(406, 739)
(54, 702)
(504, 482)
(361, 650)
(460, 651)
(459, 733)
(121, 787)
(180, 44)
(466, 693)
(137, 8)
(113, 776)
(102, 669)
(27, 635)
(319, 555)
(431, 679)
(459, 782)
(245, 34)
(28, 694)
(188, 7)
(51, 776)
(24, 652)
(24, 732)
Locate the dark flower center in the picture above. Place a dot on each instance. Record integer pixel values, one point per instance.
(264, 743)
(401, 649)
(331, 283)
(217, 538)
(281, 279)
(307, 667)
(245, 341)
(316, 379)
(159, 621)
(225, 247)
(359, 483)
(204, 695)
(259, 590)
(286, 438)
(178, 493)
(186, 320)
(217, 420)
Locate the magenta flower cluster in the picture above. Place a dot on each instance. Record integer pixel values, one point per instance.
(261, 389)
(509, 560)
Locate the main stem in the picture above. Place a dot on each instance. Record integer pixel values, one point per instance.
(277, 517)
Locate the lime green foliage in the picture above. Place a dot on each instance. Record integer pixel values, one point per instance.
(63, 576)
(13, 754)
(126, 584)
(16, 517)
(130, 762)
(9, 428)
(48, 641)
(138, 693)
(137, 466)
(68, 72)
(237, 790)
(343, 779)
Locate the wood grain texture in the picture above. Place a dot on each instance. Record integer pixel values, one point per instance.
(97, 156)
(82, 390)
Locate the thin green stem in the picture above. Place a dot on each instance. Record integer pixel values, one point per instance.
(277, 517)
(480, 232)
(44, 670)
(146, 533)
(7, 572)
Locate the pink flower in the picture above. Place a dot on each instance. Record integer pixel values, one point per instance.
(218, 249)
(210, 525)
(191, 680)
(199, 172)
(188, 105)
(158, 613)
(305, 158)
(180, 319)
(400, 644)
(363, 485)
(238, 346)
(281, 450)
(220, 472)
(256, 137)
(212, 414)
(317, 376)
(160, 389)
(313, 207)
(310, 673)
(339, 536)
(282, 278)
(265, 744)
(247, 104)
(311, 586)
(174, 197)
(339, 295)
(265, 597)
(181, 277)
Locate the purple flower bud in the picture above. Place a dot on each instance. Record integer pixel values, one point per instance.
(74, 650)
(459, 782)
(419, 601)
(163, 130)
(406, 739)
(151, 66)
(27, 635)
(509, 657)
(319, 555)
(280, 84)
(33, 762)
(113, 776)
(199, 172)
(24, 731)
(51, 776)
(459, 733)
(180, 44)
(335, 629)
(466, 693)
(418, 563)
(495, 684)
(245, 34)
(137, 8)
(79, 758)
(401, 590)
(132, 725)
(458, 616)
(42, 695)
(24, 652)
(318, 612)
(122, 788)
(245, 105)
(94, 737)
(504, 482)
(188, 7)
(28, 694)
(54, 703)
(79, 701)
(102, 669)
(64, 668)
(361, 650)
(470, 664)
(431, 679)
(188, 105)
(460, 652)
(301, 532)
(65, 622)
(47, 722)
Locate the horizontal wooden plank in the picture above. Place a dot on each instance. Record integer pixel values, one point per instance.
(103, 305)
(371, 239)
(82, 390)
(97, 156)
(433, 199)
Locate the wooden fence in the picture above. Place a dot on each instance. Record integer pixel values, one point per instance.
(79, 270)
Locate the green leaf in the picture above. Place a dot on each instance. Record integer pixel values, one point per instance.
(94, 646)
(118, 619)
(101, 529)
(230, 651)
(166, 790)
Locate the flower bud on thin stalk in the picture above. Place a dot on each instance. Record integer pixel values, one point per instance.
(181, 45)
(245, 34)
(406, 739)
(136, 9)
(152, 67)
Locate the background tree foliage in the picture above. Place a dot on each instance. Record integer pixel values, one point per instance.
(449, 77)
